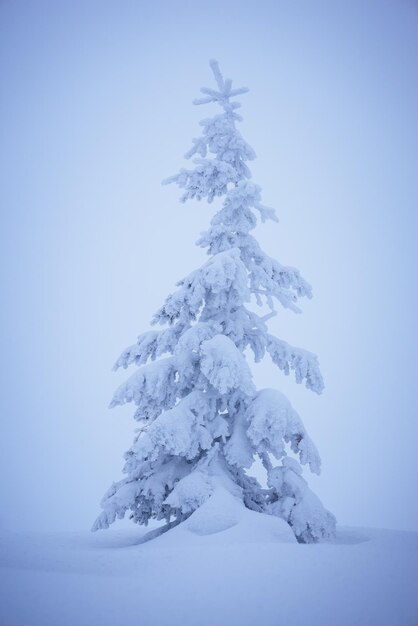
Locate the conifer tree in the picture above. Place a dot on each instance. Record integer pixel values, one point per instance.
(202, 421)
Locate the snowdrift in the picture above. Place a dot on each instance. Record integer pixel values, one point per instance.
(224, 566)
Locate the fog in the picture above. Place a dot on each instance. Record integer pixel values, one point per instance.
(95, 110)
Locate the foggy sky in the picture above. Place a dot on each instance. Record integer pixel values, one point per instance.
(95, 110)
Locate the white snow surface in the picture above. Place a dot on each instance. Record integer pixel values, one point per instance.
(225, 565)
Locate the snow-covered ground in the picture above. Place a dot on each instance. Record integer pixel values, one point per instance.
(223, 567)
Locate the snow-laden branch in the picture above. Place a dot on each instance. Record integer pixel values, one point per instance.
(221, 138)
(225, 367)
(152, 388)
(180, 431)
(236, 213)
(272, 422)
(303, 363)
(210, 178)
(292, 500)
(221, 284)
(151, 345)
(224, 93)
(142, 497)
(270, 279)
(202, 360)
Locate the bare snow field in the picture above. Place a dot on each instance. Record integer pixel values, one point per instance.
(224, 566)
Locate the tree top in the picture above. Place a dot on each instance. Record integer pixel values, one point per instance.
(222, 97)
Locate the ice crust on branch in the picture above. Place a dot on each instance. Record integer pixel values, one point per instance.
(202, 422)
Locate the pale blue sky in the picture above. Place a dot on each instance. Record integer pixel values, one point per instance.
(95, 110)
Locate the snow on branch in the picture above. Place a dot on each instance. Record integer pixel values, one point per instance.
(225, 90)
(152, 388)
(191, 340)
(236, 210)
(203, 359)
(244, 328)
(270, 279)
(116, 501)
(143, 497)
(303, 363)
(211, 177)
(151, 345)
(224, 366)
(180, 431)
(292, 500)
(221, 283)
(273, 422)
(191, 491)
(208, 179)
(221, 138)
(239, 450)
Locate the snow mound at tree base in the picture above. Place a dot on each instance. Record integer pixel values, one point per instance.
(220, 512)
(224, 513)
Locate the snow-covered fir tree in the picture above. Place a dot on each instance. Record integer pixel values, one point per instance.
(202, 421)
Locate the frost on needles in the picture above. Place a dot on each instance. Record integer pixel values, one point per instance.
(202, 421)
